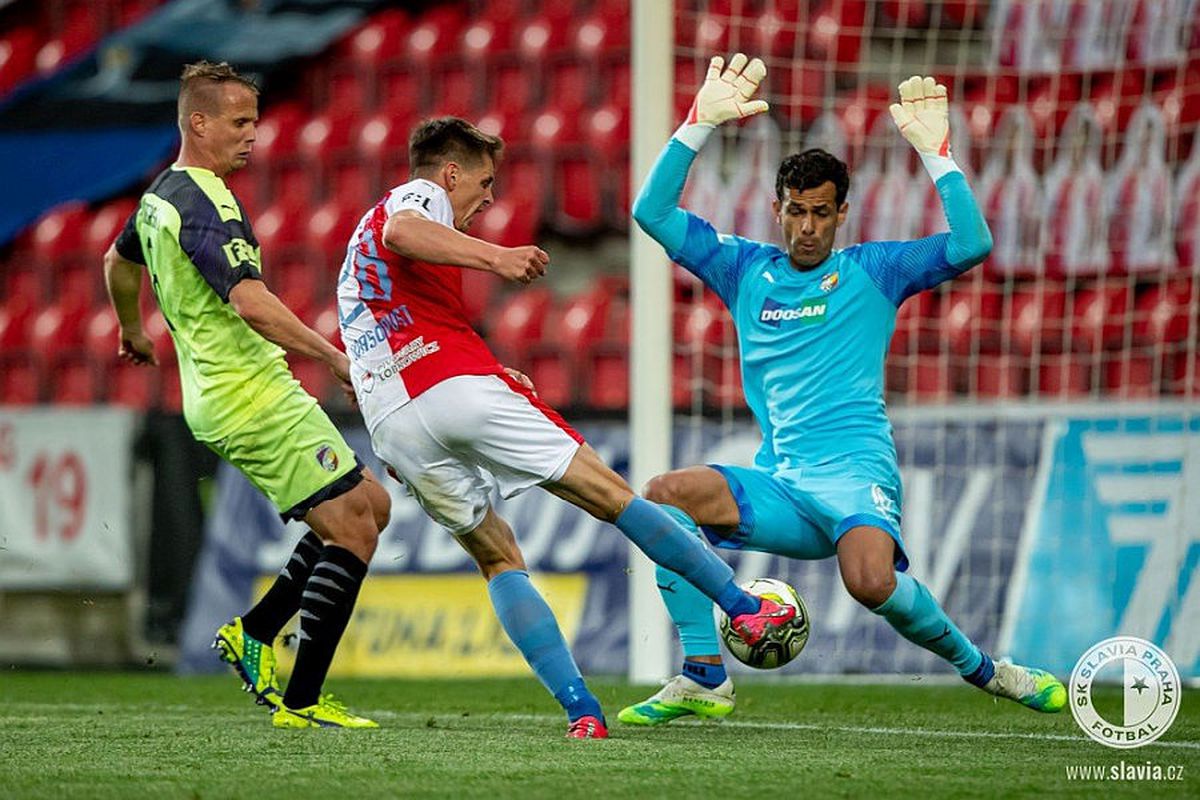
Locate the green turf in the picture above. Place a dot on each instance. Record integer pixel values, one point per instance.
(140, 735)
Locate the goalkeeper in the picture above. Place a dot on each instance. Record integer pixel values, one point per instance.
(813, 328)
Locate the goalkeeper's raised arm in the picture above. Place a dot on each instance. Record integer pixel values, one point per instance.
(727, 94)
(922, 115)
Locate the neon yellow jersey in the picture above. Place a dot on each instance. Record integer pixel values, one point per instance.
(193, 236)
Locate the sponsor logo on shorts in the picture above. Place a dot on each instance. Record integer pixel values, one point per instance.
(883, 501)
(809, 312)
(327, 457)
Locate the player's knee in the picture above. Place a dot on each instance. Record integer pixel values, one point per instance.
(357, 530)
(664, 489)
(381, 506)
(870, 586)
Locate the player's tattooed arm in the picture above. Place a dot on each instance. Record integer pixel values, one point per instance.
(414, 236)
(124, 281)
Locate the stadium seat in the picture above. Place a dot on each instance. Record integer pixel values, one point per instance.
(457, 92)
(21, 300)
(835, 31)
(77, 35)
(1034, 320)
(18, 57)
(553, 374)
(537, 39)
(401, 93)
(511, 91)
(930, 379)
(554, 129)
(1100, 318)
(516, 323)
(326, 135)
(1162, 314)
(603, 34)
(132, 386)
(277, 134)
(970, 320)
(101, 334)
(917, 325)
(379, 41)
(1064, 376)
(579, 192)
(1184, 376)
(478, 291)
(997, 376)
(72, 380)
(105, 224)
(434, 36)
(1131, 376)
(511, 126)
(298, 286)
(20, 378)
(606, 131)
(280, 231)
(490, 35)
(58, 235)
(509, 222)
(607, 377)
(776, 31)
(326, 323)
(329, 230)
(569, 86)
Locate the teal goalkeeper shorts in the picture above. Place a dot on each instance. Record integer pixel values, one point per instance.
(802, 513)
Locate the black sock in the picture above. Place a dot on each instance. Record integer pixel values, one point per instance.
(325, 609)
(282, 600)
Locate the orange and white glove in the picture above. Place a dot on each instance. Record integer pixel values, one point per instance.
(727, 94)
(923, 117)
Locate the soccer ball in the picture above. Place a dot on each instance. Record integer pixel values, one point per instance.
(781, 646)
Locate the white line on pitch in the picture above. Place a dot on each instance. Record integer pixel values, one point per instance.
(808, 726)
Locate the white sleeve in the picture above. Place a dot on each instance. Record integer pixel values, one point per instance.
(425, 197)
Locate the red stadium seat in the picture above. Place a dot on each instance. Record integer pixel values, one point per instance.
(58, 235)
(607, 379)
(1100, 318)
(18, 57)
(930, 379)
(378, 41)
(1034, 320)
(72, 381)
(58, 328)
(491, 35)
(434, 35)
(516, 324)
(554, 129)
(1064, 376)
(509, 125)
(776, 32)
(606, 130)
(22, 298)
(970, 320)
(552, 371)
(326, 135)
(998, 376)
(835, 32)
(101, 334)
(1184, 377)
(917, 325)
(133, 386)
(538, 39)
(1162, 314)
(105, 224)
(511, 90)
(278, 229)
(509, 222)
(479, 290)
(277, 134)
(329, 230)
(600, 35)
(298, 287)
(20, 379)
(1131, 376)
(579, 189)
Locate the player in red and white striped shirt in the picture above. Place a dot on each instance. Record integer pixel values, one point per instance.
(454, 424)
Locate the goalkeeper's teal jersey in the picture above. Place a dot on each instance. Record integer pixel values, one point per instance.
(813, 343)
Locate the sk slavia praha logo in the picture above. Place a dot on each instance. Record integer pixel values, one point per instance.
(1149, 699)
(327, 458)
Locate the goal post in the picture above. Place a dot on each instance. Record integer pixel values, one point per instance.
(650, 637)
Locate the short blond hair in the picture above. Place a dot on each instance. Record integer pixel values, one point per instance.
(200, 83)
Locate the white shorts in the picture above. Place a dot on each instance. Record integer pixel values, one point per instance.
(458, 440)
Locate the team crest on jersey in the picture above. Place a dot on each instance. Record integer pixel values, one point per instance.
(327, 457)
(809, 312)
(829, 282)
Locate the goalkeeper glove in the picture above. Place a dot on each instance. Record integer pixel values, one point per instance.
(725, 95)
(923, 116)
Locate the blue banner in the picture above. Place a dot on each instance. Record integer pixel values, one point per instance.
(1115, 546)
(967, 486)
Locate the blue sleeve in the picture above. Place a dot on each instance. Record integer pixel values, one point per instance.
(902, 269)
(128, 244)
(689, 240)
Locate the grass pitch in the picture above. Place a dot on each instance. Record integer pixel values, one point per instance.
(99, 735)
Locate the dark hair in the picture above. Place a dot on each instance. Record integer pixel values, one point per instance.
(436, 141)
(810, 169)
(199, 83)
